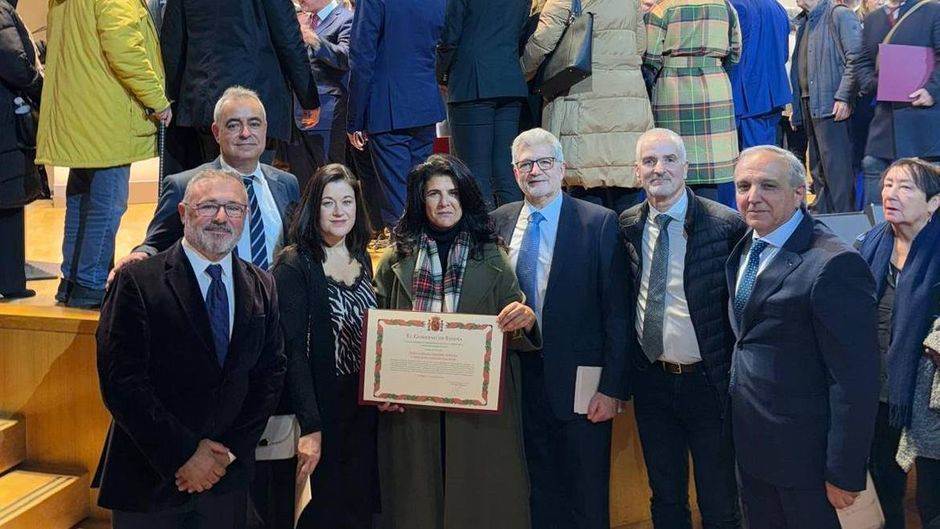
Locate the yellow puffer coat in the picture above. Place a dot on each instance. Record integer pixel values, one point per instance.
(103, 70)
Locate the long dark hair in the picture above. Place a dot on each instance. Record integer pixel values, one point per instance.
(414, 220)
(305, 228)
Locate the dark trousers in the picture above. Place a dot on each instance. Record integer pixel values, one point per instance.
(394, 153)
(308, 150)
(676, 415)
(203, 511)
(569, 460)
(758, 130)
(770, 507)
(271, 494)
(618, 199)
(928, 491)
(482, 132)
(830, 162)
(13, 256)
(890, 480)
(187, 148)
(361, 164)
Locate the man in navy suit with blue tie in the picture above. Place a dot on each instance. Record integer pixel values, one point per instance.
(572, 268)
(805, 370)
(394, 101)
(325, 27)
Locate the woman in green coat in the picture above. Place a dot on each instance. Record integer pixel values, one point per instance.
(452, 470)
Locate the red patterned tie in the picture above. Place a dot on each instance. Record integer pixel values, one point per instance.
(314, 22)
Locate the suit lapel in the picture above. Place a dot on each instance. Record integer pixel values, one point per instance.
(732, 265)
(182, 282)
(244, 296)
(278, 191)
(330, 19)
(569, 231)
(507, 223)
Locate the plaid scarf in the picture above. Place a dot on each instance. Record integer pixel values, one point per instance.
(433, 290)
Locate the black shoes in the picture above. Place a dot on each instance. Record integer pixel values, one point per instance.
(17, 294)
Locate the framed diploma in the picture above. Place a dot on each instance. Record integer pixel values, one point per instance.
(436, 360)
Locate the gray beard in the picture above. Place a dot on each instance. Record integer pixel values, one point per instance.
(206, 243)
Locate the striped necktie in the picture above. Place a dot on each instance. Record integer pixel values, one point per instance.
(259, 249)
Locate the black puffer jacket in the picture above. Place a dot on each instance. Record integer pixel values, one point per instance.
(18, 74)
(713, 230)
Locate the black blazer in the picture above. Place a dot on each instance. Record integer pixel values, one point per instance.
(584, 316)
(209, 46)
(312, 391)
(478, 55)
(164, 387)
(713, 230)
(804, 392)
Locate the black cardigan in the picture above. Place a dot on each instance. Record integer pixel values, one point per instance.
(312, 392)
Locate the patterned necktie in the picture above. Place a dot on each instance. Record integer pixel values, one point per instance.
(314, 22)
(217, 305)
(259, 250)
(748, 279)
(656, 292)
(528, 263)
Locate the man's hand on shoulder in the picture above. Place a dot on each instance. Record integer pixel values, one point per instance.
(602, 408)
(204, 468)
(839, 498)
(132, 257)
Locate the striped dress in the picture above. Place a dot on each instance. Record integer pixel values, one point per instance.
(689, 44)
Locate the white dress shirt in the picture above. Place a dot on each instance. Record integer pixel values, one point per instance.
(775, 240)
(680, 345)
(548, 232)
(199, 263)
(273, 227)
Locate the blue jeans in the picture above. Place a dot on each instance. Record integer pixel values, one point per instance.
(675, 415)
(95, 201)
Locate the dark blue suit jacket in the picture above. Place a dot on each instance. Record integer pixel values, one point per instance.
(330, 65)
(166, 227)
(759, 82)
(805, 371)
(584, 316)
(392, 55)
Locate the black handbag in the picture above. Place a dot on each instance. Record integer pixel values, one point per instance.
(570, 61)
(26, 181)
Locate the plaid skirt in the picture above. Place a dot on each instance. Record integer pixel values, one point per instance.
(692, 97)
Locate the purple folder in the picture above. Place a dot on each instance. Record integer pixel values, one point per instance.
(902, 70)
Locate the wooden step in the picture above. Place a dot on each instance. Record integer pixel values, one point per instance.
(12, 444)
(36, 500)
(93, 523)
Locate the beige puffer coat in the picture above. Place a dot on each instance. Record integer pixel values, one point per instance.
(602, 117)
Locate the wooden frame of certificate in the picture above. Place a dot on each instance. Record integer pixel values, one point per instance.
(445, 361)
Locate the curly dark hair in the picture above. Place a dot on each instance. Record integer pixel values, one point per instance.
(475, 219)
(305, 227)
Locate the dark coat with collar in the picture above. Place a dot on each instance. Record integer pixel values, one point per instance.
(584, 315)
(164, 387)
(166, 227)
(209, 46)
(712, 231)
(805, 374)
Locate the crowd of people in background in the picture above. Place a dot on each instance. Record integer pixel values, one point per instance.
(652, 220)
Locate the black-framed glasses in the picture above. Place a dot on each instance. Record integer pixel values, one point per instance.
(233, 210)
(525, 166)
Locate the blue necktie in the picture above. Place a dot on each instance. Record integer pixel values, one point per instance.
(656, 292)
(527, 265)
(217, 305)
(259, 252)
(748, 278)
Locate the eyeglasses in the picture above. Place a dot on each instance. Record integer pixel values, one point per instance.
(526, 166)
(233, 210)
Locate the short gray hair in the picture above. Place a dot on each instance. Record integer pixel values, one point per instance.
(211, 174)
(536, 137)
(796, 172)
(662, 133)
(236, 92)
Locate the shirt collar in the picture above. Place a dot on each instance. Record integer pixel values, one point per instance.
(325, 12)
(677, 211)
(226, 167)
(779, 236)
(200, 262)
(550, 211)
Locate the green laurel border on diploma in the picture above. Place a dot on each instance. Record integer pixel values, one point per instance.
(487, 358)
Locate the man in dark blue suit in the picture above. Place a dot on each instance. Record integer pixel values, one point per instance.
(325, 27)
(759, 83)
(805, 371)
(572, 268)
(394, 100)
